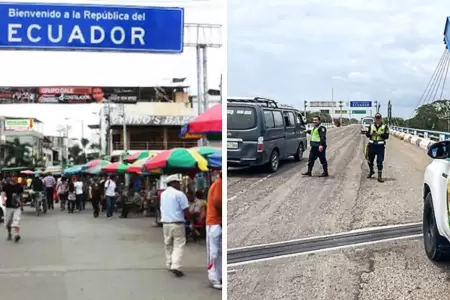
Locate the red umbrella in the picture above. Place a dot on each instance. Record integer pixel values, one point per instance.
(27, 172)
(208, 122)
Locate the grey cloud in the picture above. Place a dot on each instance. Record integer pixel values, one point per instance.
(377, 49)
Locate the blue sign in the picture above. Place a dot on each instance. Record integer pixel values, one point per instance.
(360, 103)
(447, 33)
(91, 27)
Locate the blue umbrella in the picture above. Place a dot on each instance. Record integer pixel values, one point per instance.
(215, 160)
(73, 170)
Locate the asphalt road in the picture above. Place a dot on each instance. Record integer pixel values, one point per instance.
(68, 257)
(264, 208)
(386, 271)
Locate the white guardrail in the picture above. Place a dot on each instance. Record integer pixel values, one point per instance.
(419, 137)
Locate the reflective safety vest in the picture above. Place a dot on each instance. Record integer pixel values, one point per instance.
(315, 136)
(380, 130)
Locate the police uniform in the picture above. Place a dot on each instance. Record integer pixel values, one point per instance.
(376, 147)
(318, 138)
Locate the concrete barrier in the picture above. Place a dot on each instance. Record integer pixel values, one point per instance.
(407, 138)
(414, 140)
(425, 144)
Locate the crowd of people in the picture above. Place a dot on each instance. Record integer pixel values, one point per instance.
(184, 212)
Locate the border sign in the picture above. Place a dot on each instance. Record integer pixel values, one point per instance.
(91, 27)
(360, 103)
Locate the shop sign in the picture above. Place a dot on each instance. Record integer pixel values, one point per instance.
(18, 124)
(153, 120)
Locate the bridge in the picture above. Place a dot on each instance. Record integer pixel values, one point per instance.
(342, 237)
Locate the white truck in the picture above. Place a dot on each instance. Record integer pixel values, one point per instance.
(365, 123)
(436, 209)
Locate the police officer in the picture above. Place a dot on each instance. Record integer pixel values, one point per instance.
(318, 144)
(378, 133)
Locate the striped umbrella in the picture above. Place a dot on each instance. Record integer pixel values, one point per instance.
(137, 166)
(96, 162)
(117, 167)
(141, 155)
(206, 151)
(177, 158)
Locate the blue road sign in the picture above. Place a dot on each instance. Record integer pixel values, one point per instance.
(447, 33)
(91, 27)
(360, 103)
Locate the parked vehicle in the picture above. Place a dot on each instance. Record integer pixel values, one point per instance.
(365, 123)
(263, 132)
(436, 209)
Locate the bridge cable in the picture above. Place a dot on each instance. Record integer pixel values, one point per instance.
(429, 97)
(444, 66)
(423, 94)
(446, 72)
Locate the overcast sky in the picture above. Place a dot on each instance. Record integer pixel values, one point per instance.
(35, 68)
(296, 50)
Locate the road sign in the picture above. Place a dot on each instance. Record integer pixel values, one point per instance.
(342, 112)
(359, 112)
(360, 103)
(91, 27)
(322, 103)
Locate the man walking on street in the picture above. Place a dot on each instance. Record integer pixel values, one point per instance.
(50, 183)
(378, 133)
(12, 199)
(110, 194)
(174, 207)
(318, 149)
(214, 234)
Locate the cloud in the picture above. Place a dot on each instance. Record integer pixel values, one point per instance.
(375, 49)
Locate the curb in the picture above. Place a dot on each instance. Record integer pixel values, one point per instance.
(413, 139)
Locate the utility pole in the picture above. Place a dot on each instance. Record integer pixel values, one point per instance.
(340, 107)
(305, 104)
(124, 128)
(389, 111)
(221, 88)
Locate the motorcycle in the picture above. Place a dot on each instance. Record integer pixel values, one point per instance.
(39, 200)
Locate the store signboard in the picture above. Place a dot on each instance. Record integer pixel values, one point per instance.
(88, 27)
(152, 120)
(322, 103)
(18, 124)
(68, 95)
(342, 112)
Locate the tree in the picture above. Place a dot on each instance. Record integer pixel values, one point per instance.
(84, 142)
(77, 155)
(36, 162)
(17, 153)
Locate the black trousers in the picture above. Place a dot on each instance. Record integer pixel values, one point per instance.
(71, 205)
(376, 150)
(315, 154)
(49, 192)
(96, 205)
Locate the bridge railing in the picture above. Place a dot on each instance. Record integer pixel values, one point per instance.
(425, 134)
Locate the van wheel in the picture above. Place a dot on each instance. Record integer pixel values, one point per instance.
(433, 241)
(299, 155)
(274, 161)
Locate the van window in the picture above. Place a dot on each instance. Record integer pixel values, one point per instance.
(300, 119)
(278, 118)
(367, 121)
(241, 118)
(268, 119)
(291, 119)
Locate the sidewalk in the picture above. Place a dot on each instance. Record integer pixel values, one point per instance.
(68, 257)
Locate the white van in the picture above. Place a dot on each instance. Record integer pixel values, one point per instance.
(365, 123)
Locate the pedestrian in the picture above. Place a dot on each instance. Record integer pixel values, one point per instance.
(50, 183)
(318, 149)
(110, 194)
(62, 190)
(12, 199)
(79, 193)
(71, 197)
(214, 233)
(96, 194)
(378, 133)
(174, 207)
(102, 185)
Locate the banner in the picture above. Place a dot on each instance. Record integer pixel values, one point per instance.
(68, 95)
(18, 124)
(152, 120)
(96, 27)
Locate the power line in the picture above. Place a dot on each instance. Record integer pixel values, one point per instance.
(445, 79)
(430, 91)
(441, 73)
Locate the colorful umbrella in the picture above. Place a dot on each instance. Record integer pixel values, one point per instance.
(96, 162)
(215, 160)
(177, 158)
(27, 172)
(206, 151)
(137, 166)
(95, 170)
(116, 167)
(141, 155)
(208, 122)
(73, 170)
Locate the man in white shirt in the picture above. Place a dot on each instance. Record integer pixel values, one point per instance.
(110, 194)
(79, 193)
(174, 205)
(50, 183)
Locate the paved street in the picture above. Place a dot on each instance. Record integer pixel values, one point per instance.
(385, 271)
(68, 257)
(266, 208)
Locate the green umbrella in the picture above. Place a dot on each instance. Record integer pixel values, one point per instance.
(116, 167)
(206, 151)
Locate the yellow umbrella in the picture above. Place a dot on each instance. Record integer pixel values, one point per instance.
(136, 167)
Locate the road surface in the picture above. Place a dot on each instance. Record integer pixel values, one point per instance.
(77, 257)
(266, 208)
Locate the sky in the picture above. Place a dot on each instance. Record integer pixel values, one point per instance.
(296, 50)
(47, 68)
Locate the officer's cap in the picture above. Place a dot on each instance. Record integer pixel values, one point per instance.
(378, 116)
